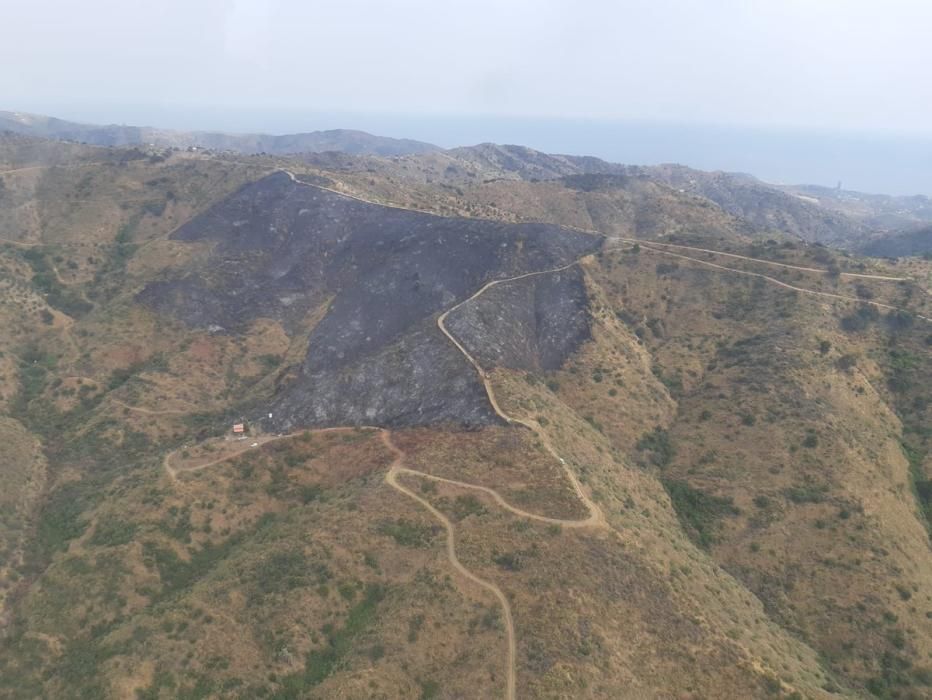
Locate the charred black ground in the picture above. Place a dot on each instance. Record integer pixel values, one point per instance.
(546, 317)
(282, 248)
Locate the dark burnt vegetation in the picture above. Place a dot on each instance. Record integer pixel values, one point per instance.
(283, 248)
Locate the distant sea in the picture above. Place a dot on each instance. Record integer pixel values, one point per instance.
(869, 162)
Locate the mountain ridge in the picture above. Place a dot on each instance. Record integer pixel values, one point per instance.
(851, 220)
(346, 140)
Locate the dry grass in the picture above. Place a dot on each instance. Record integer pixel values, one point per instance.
(507, 460)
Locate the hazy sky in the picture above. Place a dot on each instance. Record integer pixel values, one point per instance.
(790, 90)
(850, 64)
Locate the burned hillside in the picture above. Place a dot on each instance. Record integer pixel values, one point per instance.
(282, 248)
(546, 317)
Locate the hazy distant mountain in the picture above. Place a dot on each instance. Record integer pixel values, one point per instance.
(876, 224)
(763, 205)
(837, 217)
(527, 164)
(901, 244)
(346, 140)
(879, 210)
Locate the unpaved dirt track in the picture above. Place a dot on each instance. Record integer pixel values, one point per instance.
(596, 518)
(759, 260)
(774, 280)
(501, 501)
(24, 169)
(153, 411)
(173, 473)
(356, 197)
(62, 166)
(391, 478)
(646, 244)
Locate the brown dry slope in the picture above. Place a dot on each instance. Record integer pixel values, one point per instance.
(828, 464)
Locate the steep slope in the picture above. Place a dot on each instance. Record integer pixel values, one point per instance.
(612, 204)
(784, 455)
(527, 164)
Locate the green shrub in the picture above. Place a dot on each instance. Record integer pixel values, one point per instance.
(464, 506)
(269, 362)
(762, 501)
(283, 571)
(307, 494)
(698, 512)
(430, 689)
(112, 531)
(658, 443)
(62, 519)
(510, 561)
(176, 574)
(846, 362)
(860, 319)
(320, 663)
(899, 320)
(408, 533)
(46, 282)
(806, 493)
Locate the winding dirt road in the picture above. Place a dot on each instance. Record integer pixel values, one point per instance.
(828, 295)
(596, 518)
(495, 496)
(391, 478)
(24, 169)
(759, 260)
(152, 411)
(172, 472)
